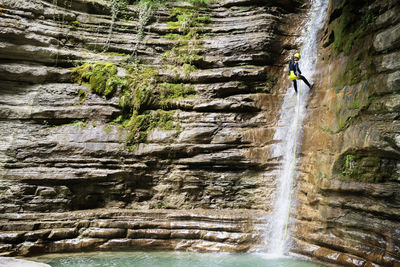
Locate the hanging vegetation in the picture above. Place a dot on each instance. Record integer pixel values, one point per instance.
(140, 92)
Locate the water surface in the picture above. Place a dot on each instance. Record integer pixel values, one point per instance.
(168, 259)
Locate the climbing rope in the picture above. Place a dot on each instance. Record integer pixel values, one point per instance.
(294, 167)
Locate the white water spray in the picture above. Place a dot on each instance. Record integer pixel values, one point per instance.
(289, 130)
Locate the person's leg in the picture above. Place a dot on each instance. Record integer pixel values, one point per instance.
(295, 85)
(305, 80)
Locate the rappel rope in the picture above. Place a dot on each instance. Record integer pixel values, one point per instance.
(294, 166)
(294, 153)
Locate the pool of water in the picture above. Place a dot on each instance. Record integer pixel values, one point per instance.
(164, 259)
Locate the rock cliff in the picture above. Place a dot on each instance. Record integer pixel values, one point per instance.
(87, 162)
(68, 144)
(348, 186)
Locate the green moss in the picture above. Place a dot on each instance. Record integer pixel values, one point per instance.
(187, 52)
(141, 124)
(101, 77)
(79, 124)
(175, 36)
(187, 21)
(82, 95)
(351, 26)
(108, 128)
(115, 54)
(270, 82)
(365, 168)
(200, 2)
(173, 91)
(139, 92)
(181, 55)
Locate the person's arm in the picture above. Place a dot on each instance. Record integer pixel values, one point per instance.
(298, 68)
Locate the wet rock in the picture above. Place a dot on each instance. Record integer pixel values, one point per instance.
(11, 237)
(30, 248)
(155, 229)
(37, 235)
(108, 233)
(8, 261)
(388, 39)
(347, 211)
(161, 136)
(197, 135)
(60, 155)
(389, 62)
(33, 73)
(5, 247)
(74, 245)
(64, 233)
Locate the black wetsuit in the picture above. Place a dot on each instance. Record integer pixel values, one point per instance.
(294, 66)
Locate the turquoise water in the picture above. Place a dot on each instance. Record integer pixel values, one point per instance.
(168, 259)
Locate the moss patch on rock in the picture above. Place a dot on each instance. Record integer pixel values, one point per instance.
(101, 77)
(351, 25)
(141, 124)
(365, 167)
(187, 24)
(139, 92)
(351, 33)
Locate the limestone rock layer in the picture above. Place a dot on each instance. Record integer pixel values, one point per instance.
(70, 182)
(62, 153)
(348, 187)
(190, 230)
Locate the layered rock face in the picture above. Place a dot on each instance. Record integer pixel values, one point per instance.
(61, 153)
(348, 187)
(195, 230)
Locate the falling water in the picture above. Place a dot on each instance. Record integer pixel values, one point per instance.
(289, 130)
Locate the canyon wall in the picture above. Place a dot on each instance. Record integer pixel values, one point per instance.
(63, 144)
(348, 187)
(77, 173)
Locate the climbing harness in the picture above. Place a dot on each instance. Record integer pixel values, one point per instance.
(294, 167)
(293, 76)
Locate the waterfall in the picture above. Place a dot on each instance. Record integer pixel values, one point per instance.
(289, 130)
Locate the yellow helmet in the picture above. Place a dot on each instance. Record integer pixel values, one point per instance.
(297, 55)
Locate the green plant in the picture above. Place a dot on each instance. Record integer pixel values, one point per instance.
(145, 13)
(79, 123)
(82, 95)
(141, 124)
(348, 165)
(355, 104)
(139, 91)
(170, 91)
(116, 7)
(271, 82)
(328, 130)
(350, 27)
(187, 50)
(101, 77)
